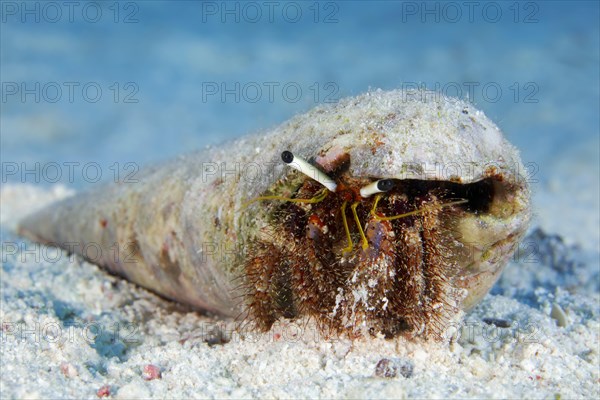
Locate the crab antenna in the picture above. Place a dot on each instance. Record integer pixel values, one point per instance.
(380, 186)
(309, 170)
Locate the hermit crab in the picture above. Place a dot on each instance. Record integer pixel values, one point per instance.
(387, 213)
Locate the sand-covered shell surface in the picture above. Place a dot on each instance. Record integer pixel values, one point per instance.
(386, 213)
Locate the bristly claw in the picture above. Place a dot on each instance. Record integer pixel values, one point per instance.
(403, 283)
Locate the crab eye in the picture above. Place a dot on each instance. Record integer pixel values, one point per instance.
(380, 186)
(308, 169)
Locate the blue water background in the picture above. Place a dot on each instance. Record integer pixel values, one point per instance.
(163, 55)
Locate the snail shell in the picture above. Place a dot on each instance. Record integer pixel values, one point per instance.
(189, 230)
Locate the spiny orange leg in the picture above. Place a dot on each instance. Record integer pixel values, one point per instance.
(415, 212)
(320, 196)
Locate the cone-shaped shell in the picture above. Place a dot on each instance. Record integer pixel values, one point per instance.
(184, 232)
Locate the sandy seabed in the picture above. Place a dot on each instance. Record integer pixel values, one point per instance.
(70, 330)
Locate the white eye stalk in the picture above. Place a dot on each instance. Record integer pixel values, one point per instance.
(380, 186)
(309, 170)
